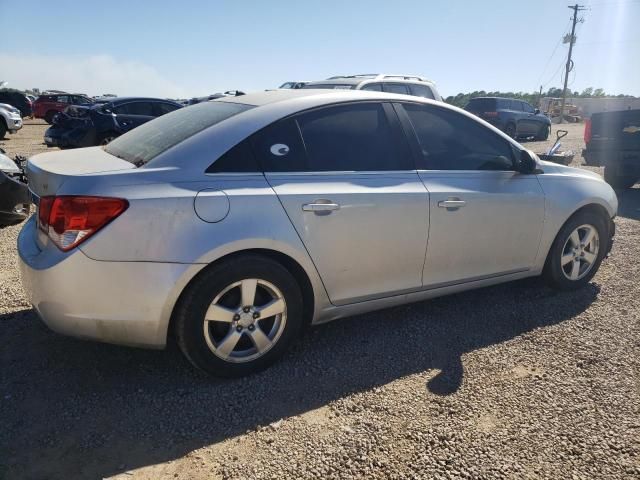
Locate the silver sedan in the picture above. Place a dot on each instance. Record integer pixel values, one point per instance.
(237, 222)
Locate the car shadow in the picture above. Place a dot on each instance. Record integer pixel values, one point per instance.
(74, 409)
(629, 203)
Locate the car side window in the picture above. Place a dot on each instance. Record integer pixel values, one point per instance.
(160, 108)
(449, 140)
(528, 108)
(135, 108)
(63, 99)
(356, 137)
(516, 105)
(421, 91)
(396, 88)
(377, 87)
(239, 159)
(279, 147)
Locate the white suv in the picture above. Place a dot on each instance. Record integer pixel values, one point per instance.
(10, 119)
(380, 82)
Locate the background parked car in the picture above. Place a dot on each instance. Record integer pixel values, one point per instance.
(15, 203)
(612, 140)
(293, 85)
(404, 84)
(90, 125)
(46, 106)
(17, 99)
(516, 118)
(10, 119)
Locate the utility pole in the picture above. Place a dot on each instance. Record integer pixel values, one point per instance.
(569, 66)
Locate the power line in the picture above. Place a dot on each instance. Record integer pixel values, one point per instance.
(552, 54)
(576, 8)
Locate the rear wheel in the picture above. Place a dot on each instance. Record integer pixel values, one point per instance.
(107, 137)
(48, 117)
(577, 252)
(543, 134)
(240, 316)
(510, 130)
(618, 178)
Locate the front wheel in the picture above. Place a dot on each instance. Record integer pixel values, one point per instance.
(543, 134)
(577, 252)
(239, 317)
(510, 130)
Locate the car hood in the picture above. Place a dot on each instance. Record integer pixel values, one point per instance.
(555, 168)
(7, 106)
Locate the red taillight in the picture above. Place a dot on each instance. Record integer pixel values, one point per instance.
(70, 220)
(489, 114)
(587, 131)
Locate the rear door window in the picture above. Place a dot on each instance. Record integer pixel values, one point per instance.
(355, 137)
(396, 88)
(376, 87)
(421, 91)
(528, 108)
(63, 99)
(516, 105)
(160, 108)
(451, 141)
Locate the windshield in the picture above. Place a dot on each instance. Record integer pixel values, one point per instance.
(146, 142)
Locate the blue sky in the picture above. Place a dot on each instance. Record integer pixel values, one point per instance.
(195, 47)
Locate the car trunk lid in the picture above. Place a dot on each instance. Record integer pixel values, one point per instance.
(48, 171)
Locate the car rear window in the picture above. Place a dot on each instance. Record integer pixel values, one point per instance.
(144, 143)
(482, 105)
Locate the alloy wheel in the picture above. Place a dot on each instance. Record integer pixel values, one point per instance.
(580, 252)
(245, 320)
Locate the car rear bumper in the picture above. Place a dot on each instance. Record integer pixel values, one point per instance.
(125, 303)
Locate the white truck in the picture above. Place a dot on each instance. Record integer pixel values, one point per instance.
(10, 119)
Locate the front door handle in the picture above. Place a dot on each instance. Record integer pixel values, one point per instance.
(452, 203)
(320, 206)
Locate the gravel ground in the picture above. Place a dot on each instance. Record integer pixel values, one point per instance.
(514, 381)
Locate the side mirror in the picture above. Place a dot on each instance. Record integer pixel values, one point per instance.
(537, 111)
(527, 163)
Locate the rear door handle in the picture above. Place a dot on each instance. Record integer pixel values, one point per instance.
(320, 206)
(452, 203)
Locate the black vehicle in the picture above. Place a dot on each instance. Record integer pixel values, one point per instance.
(612, 140)
(18, 100)
(15, 202)
(98, 124)
(516, 118)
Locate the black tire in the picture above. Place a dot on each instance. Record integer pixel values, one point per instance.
(196, 300)
(543, 134)
(510, 130)
(553, 272)
(617, 178)
(3, 128)
(48, 117)
(105, 138)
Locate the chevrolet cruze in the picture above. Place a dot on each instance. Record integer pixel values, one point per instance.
(233, 224)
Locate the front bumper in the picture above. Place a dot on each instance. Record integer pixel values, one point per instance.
(125, 303)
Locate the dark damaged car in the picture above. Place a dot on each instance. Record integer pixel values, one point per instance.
(91, 125)
(15, 203)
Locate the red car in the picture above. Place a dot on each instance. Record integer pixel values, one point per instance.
(46, 106)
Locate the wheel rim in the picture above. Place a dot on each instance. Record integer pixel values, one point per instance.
(245, 320)
(510, 131)
(580, 252)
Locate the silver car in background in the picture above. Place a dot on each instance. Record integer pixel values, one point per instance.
(237, 222)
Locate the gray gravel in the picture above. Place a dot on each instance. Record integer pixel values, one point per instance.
(514, 381)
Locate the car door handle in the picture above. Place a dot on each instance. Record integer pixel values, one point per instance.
(320, 206)
(452, 203)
